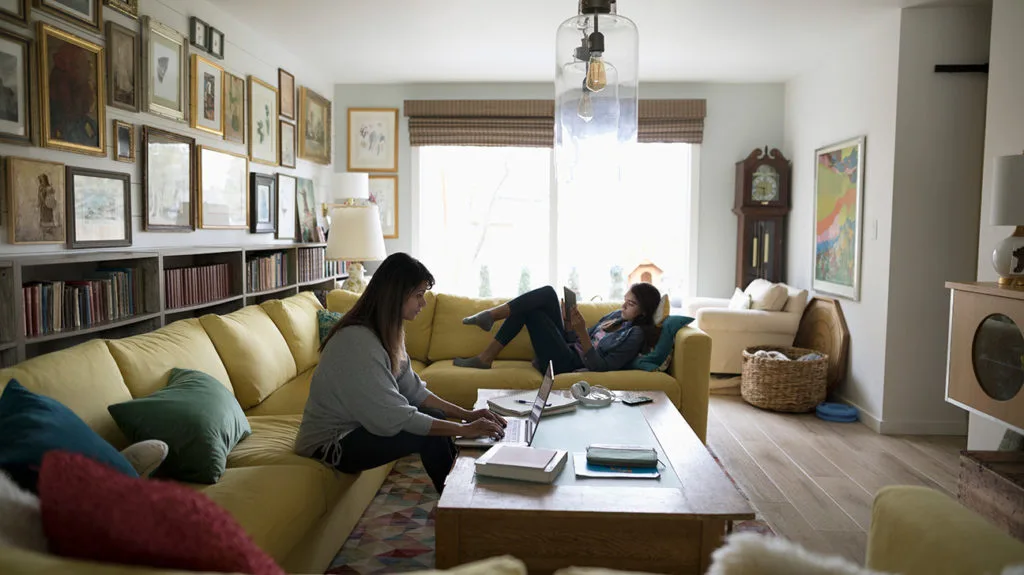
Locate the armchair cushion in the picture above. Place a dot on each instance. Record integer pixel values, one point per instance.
(740, 300)
(767, 295)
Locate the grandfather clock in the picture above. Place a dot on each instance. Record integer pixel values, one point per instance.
(762, 204)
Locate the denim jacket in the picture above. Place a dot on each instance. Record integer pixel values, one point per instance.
(616, 349)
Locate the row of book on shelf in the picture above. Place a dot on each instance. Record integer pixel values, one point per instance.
(267, 272)
(313, 265)
(196, 285)
(106, 295)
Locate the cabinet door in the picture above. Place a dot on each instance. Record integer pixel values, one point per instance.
(748, 245)
(768, 259)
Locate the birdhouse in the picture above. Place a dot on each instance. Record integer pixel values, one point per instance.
(646, 272)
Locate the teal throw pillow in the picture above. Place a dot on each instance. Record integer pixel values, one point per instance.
(325, 320)
(658, 358)
(196, 416)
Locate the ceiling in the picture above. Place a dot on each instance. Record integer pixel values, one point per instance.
(398, 41)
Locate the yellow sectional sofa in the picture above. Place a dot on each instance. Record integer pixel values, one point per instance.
(437, 336)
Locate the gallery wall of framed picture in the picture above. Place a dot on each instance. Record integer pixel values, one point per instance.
(125, 124)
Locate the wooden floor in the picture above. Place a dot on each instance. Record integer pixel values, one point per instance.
(813, 481)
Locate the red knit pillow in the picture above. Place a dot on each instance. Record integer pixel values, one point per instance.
(93, 512)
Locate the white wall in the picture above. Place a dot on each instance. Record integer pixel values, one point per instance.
(741, 117)
(245, 53)
(851, 93)
(940, 134)
(1004, 135)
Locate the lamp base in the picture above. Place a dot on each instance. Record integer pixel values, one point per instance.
(1008, 260)
(356, 281)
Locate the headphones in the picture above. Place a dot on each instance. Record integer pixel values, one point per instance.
(592, 395)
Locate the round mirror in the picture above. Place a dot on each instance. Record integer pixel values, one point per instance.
(998, 357)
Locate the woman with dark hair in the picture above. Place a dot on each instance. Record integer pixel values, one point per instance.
(366, 406)
(565, 341)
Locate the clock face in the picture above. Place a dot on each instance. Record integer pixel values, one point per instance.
(765, 185)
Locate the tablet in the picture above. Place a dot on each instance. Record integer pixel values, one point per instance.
(570, 299)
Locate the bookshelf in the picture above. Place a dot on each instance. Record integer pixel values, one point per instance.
(50, 302)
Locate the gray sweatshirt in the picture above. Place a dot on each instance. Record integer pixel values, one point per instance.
(353, 387)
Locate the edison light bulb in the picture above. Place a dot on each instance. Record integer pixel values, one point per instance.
(585, 110)
(597, 78)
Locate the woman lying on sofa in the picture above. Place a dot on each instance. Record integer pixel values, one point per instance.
(614, 341)
(366, 406)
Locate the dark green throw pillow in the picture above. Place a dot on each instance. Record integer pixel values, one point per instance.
(198, 419)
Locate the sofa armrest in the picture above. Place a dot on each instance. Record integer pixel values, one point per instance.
(748, 320)
(691, 367)
(697, 303)
(917, 530)
(13, 560)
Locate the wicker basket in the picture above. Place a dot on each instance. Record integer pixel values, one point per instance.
(792, 386)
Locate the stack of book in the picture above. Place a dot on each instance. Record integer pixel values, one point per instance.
(103, 296)
(196, 285)
(520, 404)
(522, 463)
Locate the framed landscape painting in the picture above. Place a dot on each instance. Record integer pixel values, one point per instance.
(72, 92)
(35, 201)
(263, 120)
(314, 127)
(207, 113)
(373, 139)
(100, 208)
(384, 193)
(16, 68)
(838, 199)
(164, 70)
(223, 189)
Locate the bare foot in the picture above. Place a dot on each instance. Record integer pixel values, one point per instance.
(474, 361)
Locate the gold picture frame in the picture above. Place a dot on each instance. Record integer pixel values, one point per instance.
(384, 193)
(314, 132)
(212, 87)
(36, 201)
(369, 130)
(221, 175)
(119, 129)
(234, 108)
(264, 144)
(86, 133)
(129, 8)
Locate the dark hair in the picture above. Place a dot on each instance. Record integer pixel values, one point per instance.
(380, 306)
(649, 298)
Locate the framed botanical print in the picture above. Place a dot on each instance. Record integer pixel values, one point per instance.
(263, 127)
(99, 208)
(305, 206)
(234, 108)
(35, 201)
(168, 186)
(286, 220)
(223, 189)
(16, 70)
(124, 141)
(129, 8)
(164, 68)
(314, 127)
(197, 31)
(85, 13)
(838, 197)
(122, 67)
(384, 193)
(15, 11)
(215, 43)
(373, 139)
(263, 210)
(287, 144)
(286, 94)
(207, 111)
(71, 92)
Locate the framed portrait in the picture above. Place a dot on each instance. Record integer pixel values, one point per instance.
(384, 193)
(305, 206)
(197, 32)
(99, 208)
(286, 94)
(287, 144)
(129, 8)
(215, 43)
(164, 68)
(207, 111)
(263, 140)
(234, 108)
(71, 92)
(122, 67)
(314, 127)
(263, 204)
(16, 70)
(35, 200)
(223, 189)
(124, 141)
(286, 220)
(15, 11)
(373, 139)
(85, 13)
(838, 200)
(168, 185)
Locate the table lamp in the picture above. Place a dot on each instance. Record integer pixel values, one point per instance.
(355, 234)
(1008, 210)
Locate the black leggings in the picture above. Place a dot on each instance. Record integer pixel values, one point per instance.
(540, 311)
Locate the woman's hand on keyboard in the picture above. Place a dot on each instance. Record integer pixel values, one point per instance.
(483, 427)
(485, 413)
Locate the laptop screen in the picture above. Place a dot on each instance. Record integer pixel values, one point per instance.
(540, 402)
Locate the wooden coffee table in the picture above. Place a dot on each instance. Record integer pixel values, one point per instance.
(669, 525)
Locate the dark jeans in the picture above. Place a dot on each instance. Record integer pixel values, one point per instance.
(362, 450)
(540, 311)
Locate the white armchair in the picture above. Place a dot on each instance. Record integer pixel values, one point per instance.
(733, 330)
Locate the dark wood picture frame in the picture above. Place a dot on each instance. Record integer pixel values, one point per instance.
(95, 24)
(118, 127)
(212, 33)
(286, 103)
(29, 93)
(194, 38)
(156, 135)
(69, 182)
(21, 16)
(283, 128)
(113, 68)
(256, 226)
(129, 8)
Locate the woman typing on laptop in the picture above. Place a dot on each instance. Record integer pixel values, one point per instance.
(366, 406)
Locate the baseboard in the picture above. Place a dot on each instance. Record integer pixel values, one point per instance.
(872, 422)
(890, 427)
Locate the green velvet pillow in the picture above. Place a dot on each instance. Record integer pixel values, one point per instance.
(196, 416)
(325, 320)
(659, 358)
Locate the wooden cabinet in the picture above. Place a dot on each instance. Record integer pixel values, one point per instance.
(761, 206)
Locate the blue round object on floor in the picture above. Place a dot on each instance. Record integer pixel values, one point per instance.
(839, 412)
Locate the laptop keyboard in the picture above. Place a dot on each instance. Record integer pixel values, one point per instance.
(513, 431)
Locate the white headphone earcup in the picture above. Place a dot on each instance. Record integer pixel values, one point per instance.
(580, 390)
(591, 395)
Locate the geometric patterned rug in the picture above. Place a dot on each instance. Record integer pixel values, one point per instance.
(396, 533)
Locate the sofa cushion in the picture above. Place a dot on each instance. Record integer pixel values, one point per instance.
(766, 295)
(631, 380)
(418, 332)
(295, 317)
(459, 384)
(451, 338)
(417, 366)
(85, 378)
(146, 360)
(592, 312)
(254, 352)
(289, 399)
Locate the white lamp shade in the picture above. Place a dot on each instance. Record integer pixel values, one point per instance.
(356, 235)
(351, 185)
(1008, 192)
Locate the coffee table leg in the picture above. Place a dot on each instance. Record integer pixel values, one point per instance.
(446, 539)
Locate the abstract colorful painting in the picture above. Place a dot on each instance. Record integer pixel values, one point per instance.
(838, 195)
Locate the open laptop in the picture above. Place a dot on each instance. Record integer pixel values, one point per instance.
(519, 431)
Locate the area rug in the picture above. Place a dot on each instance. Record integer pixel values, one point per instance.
(396, 533)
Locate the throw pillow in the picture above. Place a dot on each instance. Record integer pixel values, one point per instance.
(659, 358)
(767, 296)
(325, 320)
(21, 524)
(739, 300)
(92, 513)
(198, 419)
(664, 309)
(32, 424)
(145, 456)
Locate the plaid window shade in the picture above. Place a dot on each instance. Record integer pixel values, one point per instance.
(530, 123)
